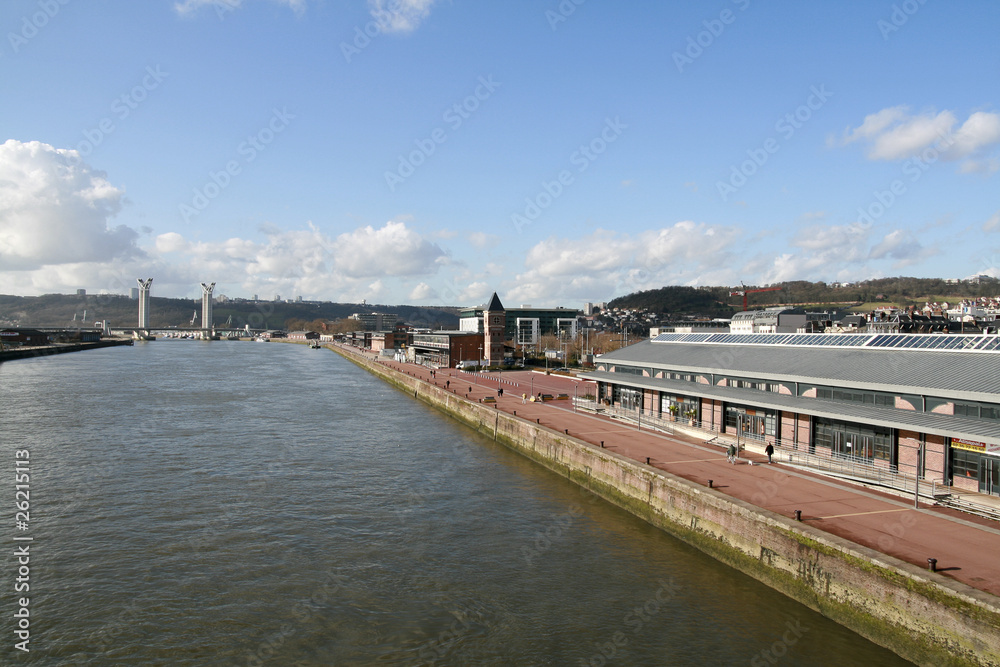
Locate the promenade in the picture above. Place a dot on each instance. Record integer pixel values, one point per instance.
(964, 545)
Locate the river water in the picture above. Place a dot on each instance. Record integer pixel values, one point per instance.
(231, 503)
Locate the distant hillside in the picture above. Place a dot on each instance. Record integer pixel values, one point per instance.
(58, 310)
(713, 301)
(676, 299)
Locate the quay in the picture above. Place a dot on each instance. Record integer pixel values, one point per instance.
(922, 581)
(10, 354)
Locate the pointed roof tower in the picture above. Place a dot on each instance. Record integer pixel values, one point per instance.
(494, 304)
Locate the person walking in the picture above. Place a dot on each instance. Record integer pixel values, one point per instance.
(769, 450)
(524, 399)
(500, 392)
(731, 453)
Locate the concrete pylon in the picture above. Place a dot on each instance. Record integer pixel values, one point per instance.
(144, 302)
(206, 306)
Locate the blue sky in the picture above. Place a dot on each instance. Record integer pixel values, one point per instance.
(432, 151)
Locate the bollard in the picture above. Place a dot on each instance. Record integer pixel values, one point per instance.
(647, 460)
(602, 444)
(538, 421)
(566, 431)
(798, 515)
(515, 413)
(932, 564)
(710, 483)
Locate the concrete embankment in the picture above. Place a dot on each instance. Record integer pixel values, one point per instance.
(923, 616)
(59, 348)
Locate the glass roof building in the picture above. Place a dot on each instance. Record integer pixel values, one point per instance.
(914, 404)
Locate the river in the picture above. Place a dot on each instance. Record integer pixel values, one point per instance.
(231, 503)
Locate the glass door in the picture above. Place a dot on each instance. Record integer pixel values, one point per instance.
(989, 475)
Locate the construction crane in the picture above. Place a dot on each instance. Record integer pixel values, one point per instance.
(743, 292)
(229, 322)
(193, 318)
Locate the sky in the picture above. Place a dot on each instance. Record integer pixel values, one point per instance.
(431, 152)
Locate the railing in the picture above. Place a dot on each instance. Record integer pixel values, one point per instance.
(631, 416)
(857, 469)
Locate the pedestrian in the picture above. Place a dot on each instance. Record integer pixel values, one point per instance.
(447, 384)
(731, 453)
(769, 450)
(500, 392)
(524, 399)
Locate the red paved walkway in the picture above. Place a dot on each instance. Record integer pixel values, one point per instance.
(965, 546)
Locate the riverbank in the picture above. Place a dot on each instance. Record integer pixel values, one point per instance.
(58, 348)
(926, 617)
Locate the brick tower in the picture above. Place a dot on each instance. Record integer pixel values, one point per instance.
(494, 325)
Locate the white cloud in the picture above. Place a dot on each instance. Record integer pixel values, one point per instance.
(422, 292)
(482, 240)
(188, 7)
(392, 250)
(399, 15)
(475, 293)
(987, 166)
(607, 264)
(894, 134)
(902, 246)
(874, 124)
(55, 209)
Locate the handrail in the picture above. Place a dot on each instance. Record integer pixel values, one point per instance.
(857, 469)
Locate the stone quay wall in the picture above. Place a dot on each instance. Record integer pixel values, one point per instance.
(922, 616)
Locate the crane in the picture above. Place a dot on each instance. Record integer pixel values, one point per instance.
(193, 318)
(743, 292)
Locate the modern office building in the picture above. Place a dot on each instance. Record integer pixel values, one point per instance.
(445, 349)
(547, 321)
(914, 403)
(376, 321)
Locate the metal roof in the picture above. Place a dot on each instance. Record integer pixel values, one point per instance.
(923, 422)
(940, 373)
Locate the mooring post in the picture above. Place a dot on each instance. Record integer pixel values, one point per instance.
(798, 515)
(932, 564)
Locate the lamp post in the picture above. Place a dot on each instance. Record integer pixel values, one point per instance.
(638, 423)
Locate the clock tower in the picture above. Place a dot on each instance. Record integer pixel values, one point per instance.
(494, 326)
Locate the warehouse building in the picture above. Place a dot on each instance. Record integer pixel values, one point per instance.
(912, 403)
